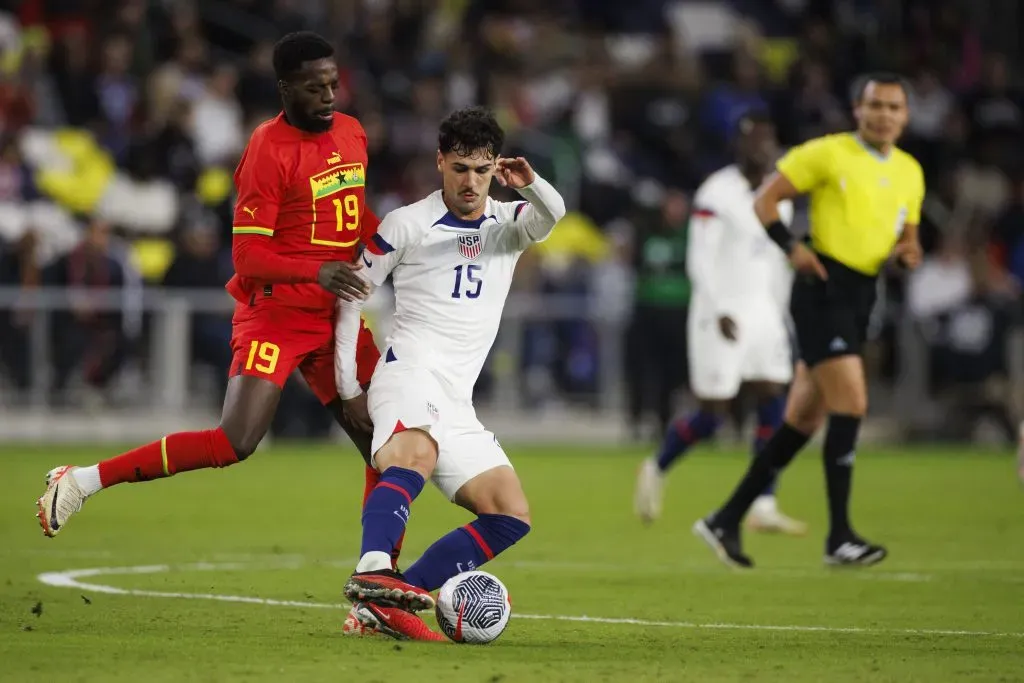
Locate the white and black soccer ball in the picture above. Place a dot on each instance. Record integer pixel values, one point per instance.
(473, 607)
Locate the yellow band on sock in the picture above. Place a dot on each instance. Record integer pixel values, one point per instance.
(163, 455)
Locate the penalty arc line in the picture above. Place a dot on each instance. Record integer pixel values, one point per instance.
(72, 579)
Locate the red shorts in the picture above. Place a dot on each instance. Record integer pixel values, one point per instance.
(271, 341)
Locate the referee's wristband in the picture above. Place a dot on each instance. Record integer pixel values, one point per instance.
(780, 234)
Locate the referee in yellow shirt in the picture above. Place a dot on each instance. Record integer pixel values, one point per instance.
(865, 203)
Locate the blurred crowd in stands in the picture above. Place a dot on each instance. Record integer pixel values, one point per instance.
(121, 122)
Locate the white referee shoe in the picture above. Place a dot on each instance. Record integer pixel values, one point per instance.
(649, 484)
(63, 498)
(764, 516)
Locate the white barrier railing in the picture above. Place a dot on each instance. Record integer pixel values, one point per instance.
(167, 389)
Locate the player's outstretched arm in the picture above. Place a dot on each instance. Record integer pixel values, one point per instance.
(383, 252)
(346, 336)
(546, 206)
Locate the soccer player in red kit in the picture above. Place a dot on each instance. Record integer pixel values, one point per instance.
(300, 215)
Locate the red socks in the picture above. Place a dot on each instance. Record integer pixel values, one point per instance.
(372, 477)
(187, 451)
(174, 453)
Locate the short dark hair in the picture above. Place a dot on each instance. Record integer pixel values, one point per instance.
(860, 84)
(466, 130)
(297, 48)
(751, 117)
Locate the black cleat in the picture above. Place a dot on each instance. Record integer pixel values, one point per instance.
(725, 542)
(853, 551)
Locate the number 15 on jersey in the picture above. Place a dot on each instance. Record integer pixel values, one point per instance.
(474, 283)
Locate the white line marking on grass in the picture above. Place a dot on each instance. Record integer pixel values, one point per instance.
(71, 578)
(704, 568)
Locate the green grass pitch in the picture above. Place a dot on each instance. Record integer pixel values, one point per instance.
(948, 605)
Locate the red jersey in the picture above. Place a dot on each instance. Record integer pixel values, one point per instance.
(301, 196)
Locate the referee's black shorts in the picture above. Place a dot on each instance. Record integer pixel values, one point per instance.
(831, 316)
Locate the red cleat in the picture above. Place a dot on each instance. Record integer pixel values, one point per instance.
(387, 588)
(370, 619)
(354, 626)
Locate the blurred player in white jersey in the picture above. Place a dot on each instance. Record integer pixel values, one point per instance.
(737, 328)
(451, 257)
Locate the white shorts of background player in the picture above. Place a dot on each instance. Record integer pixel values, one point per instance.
(761, 353)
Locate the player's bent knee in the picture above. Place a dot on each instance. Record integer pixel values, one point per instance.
(842, 385)
(243, 441)
(497, 491)
(715, 407)
(412, 449)
(516, 509)
(806, 419)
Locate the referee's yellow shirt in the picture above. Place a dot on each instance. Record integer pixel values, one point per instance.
(860, 200)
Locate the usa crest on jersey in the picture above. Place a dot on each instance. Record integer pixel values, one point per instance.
(470, 246)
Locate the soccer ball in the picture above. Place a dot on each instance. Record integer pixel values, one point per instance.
(473, 607)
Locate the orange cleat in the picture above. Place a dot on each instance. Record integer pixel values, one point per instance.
(370, 619)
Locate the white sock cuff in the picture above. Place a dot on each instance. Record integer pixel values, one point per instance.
(374, 561)
(88, 479)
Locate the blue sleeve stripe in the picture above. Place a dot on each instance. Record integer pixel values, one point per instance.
(381, 244)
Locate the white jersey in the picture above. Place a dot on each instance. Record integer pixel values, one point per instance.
(732, 263)
(451, 278)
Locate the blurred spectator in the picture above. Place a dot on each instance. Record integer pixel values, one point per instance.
(72, 65)
(140, 201)
(931, 103)
(257, 87)
(1008, 233)
(131, 19)
(90, 337)
(942, 283)
(970, 352)
(729, 100)
(174, 149)
(117, 94)
(217, 119)
(197, 265)
(815, 110)
(656, 339)
(19, 268)
(994, 107)
(178, 79)
(16, 182)
(982, 189)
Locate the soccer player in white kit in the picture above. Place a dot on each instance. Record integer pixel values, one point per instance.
(451, 256)
(737, 327)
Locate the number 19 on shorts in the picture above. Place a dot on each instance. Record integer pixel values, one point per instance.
(263, 357)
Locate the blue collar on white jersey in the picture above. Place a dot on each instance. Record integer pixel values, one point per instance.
(452, 221)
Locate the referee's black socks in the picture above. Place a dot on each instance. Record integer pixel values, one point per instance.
(839, 454)
(780, 449)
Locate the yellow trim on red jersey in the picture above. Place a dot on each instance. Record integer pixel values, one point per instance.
(252, 230)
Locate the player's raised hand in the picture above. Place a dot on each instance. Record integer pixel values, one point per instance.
(807, 262)
(727, 326)
(513, 172)
(343, 280)
(909, 254)
(358, 413)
